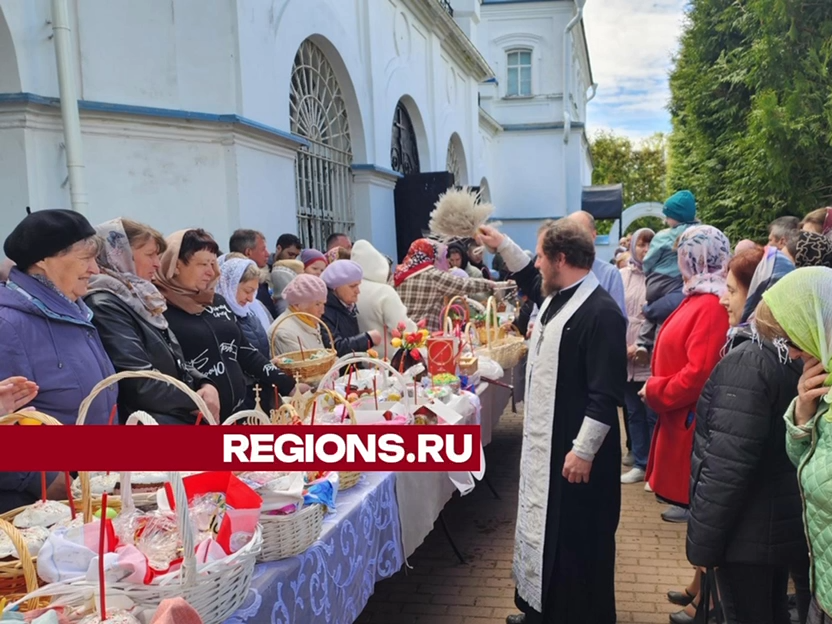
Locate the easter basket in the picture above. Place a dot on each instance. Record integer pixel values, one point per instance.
(306, 365)
(83, 485)
(501, 345)
(215, 589)
(457, 313)
(18, 577)
(346, 479)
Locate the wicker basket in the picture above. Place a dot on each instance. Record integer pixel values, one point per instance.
(447, 323)
(19, 578)
(306, 370)
(142, 499)
(505, 349)
(290, 535)
(247, 417)
(286, 414)
(215, 589)
(345, 479)
(14, 581)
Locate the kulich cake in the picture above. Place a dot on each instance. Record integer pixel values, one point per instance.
(42, 514)
(113, 617)
(34, 538)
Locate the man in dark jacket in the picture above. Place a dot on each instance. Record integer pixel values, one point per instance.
(745, 506)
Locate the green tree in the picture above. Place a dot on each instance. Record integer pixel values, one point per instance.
(751, 106)
(641, 169)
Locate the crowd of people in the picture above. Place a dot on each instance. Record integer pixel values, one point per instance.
(79, 303)
(720, 357)
(726, 431)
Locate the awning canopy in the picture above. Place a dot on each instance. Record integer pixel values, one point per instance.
(603, 202)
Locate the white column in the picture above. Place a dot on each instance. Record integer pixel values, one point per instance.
(375, 211)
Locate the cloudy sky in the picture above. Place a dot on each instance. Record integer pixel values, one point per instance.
(631, 43)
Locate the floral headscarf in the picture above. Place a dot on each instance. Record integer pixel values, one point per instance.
(704, 253)
(420, 257)
(801, 303)
(772, 268)
(231, 271)
(812, 249)
(118, 276)
(633, 242)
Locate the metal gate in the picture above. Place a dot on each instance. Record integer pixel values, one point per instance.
(404, 153)
(324, 174)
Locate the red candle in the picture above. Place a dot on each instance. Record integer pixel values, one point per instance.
(68, 481)
(43, 487)
(101, 583)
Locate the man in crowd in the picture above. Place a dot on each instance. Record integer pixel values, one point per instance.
(570, 466)
(288, 248)
(338, 239)
(252, 244)
(608, 275)
(779, 229)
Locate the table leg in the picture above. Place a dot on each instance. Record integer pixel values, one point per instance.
(450, 539)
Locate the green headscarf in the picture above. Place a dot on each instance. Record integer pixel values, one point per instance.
(801, 302)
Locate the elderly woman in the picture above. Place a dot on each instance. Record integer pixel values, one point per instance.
(809, 249)
(47, 334)
(424, 285)
(238, 284)
(797, 314)
(305, 295)
(343, 282)
(745, 515)
(128, 311)
(212, 341)
(687, 349)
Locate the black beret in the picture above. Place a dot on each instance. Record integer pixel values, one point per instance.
(45, 233)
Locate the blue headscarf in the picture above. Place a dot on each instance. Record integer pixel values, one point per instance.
(771, 269)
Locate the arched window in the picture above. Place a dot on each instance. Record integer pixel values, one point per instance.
(404, 153)
(324, 177)
(519, 72)
(454, 161)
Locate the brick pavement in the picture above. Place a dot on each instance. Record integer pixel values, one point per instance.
(439, 590)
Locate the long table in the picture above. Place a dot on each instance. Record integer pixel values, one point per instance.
(376, 526)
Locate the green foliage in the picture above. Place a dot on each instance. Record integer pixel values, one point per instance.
(751, 105)
(641, 169)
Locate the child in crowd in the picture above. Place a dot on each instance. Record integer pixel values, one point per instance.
(661, 268)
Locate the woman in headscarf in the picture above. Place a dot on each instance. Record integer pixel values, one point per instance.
(687, 349)
(640, 419)
(818, 221)
(238, 284)
(809, 249)
(745, 515)
(306, 294)
(424, 284)
(314, 262)
(797, 314)
(128, 311)
(458, 259)
(212, 341)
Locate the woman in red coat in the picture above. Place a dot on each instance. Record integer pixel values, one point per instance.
(687, 349)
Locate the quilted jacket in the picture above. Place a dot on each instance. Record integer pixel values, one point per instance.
(744, 502)
(810, 449)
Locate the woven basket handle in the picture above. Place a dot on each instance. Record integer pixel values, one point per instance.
(29, 573)
(447, 312)
(335, 397)
(289, 410)
(125, 493)
(347, 360)
(140, 418)
(490, 307)
(148, 374)
(43, 419)
(186, 531)
(273, 337)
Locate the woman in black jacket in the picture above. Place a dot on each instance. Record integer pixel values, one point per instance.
(343, 281)
(128, 311)
(745, 509)
(211, 339)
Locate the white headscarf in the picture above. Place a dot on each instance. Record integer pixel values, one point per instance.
(231, 270)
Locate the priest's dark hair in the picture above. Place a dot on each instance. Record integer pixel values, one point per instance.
(194, 241)
(570, 239)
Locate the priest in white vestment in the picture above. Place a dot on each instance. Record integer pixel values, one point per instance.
(570, 466)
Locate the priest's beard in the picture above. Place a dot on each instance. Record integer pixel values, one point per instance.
(550, 284)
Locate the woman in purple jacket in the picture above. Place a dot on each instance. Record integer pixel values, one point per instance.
(46, 331)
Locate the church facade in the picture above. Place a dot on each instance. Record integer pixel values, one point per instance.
(296, 115)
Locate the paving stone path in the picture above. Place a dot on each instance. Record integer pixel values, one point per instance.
(439, 590)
